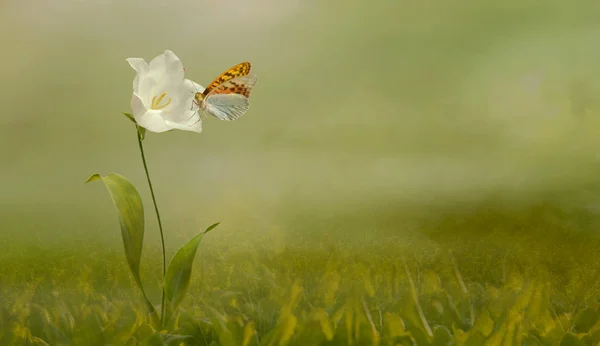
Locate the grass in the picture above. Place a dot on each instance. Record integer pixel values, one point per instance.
(495, 288)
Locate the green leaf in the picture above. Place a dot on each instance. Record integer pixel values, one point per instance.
(179, 271)
(585, 320)
(141, 131)
(130, 117)
(442, 336)
(154, 340)
(131, 219)
(211, 227)
(531, 340)
(174, 339)
(570, 339)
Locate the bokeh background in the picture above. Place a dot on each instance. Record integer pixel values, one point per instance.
(372, 120)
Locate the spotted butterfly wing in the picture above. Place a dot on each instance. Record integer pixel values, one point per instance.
(241, 69)
(229, 101)
(226, 98)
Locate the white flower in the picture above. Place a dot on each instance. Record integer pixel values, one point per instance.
(162, 99)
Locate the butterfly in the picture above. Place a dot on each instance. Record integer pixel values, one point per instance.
(227, 97)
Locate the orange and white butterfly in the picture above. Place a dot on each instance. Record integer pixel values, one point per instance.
(227, 97)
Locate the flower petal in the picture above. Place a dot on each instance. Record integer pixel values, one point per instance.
(153, 121)
(167, 68)
(193, 86)
(138, 64)
(141, 67)
(137, 105)
(195, 125)
(147, 88)
(182, 108)
(177, 97)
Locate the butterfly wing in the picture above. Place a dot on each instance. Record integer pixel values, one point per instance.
(241, 69)
(227, 106)
(229, 100)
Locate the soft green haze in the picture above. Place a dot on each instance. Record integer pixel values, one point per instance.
(374, 124)
(359, 107)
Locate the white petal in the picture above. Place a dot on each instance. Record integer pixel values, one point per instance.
(182, 114)
(146, 89)
(138, 64)
(141, 67)
(137, 105)
(152, 120)
(193, 86)
(194, 125)
(182, 104)
(167, 68)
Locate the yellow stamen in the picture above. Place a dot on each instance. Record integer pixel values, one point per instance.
(156, 102)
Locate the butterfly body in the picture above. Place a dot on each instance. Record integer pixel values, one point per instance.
(227, 97)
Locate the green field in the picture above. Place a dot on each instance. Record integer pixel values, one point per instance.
(488, 291)
(419, 173)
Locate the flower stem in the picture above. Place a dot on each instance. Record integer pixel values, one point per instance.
(162, 237)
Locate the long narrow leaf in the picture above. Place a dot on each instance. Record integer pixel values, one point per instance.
(179, 271)
(131, 219)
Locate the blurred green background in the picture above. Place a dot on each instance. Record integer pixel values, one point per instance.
(370, 121)
(382, 136)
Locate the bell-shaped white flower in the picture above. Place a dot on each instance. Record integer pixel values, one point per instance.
(163, 99)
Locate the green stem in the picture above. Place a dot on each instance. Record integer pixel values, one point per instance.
(162, 237)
